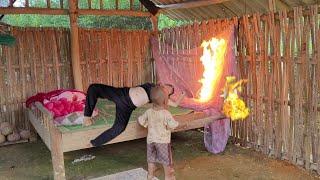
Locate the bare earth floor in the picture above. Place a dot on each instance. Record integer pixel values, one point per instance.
(192, 161)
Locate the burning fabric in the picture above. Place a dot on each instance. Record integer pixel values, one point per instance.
(213, 63)
(233, 106)
(201, 82)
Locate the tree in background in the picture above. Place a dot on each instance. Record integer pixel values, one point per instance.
(121, 22)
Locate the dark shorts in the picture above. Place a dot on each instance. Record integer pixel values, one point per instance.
(159, 153)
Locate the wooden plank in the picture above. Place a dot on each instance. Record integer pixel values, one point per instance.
(41, 130)
(80, 140)
(14, 142)
(189, 4)
(306, 93)
(314, 88)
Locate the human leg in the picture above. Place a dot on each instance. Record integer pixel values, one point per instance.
(120, 124)
(169, 172)
(96, 91)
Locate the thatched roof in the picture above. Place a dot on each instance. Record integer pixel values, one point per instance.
(224, 8)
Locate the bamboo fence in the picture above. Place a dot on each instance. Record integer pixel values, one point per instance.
(41, 61)
(180, 45)
(115, 57)
(278, 54)
(279, 57)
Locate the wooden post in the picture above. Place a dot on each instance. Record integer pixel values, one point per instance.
(56, 152)
(75, 53)
(154, 21)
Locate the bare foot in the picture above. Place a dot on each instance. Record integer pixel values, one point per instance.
(87, 121)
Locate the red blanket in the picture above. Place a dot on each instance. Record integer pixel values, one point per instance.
(60, 102)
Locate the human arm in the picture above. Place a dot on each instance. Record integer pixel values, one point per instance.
(176, 103)
(170, 123)
(143, 120)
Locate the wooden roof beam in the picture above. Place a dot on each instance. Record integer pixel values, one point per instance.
(190, 4)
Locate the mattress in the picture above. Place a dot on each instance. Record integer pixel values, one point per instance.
(107, 113)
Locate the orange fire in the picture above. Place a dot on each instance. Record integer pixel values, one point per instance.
(234, 107)
(213, 61)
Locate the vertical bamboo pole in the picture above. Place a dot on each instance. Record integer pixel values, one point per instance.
(117, 4)
(131, 4)
(89, 4)
(101, 4)
(48, 4)
(154, 21)
(75, 55)
(155, 33)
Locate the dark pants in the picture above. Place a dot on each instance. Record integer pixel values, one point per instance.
(124, 108)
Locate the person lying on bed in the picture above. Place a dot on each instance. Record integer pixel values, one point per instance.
(126, 100)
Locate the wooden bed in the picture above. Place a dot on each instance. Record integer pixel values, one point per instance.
(59, 141)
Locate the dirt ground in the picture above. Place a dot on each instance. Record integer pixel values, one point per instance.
(192, 161)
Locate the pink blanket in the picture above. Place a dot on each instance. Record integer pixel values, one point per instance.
(62, 103)
(178, 68)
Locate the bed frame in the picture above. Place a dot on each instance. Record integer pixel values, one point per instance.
(58, 142)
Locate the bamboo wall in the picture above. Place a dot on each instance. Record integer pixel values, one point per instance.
(180, 45)
(116, 57)
(40, 62)
(278, 54)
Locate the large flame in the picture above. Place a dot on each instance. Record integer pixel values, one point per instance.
(233, 106)
(213, 61)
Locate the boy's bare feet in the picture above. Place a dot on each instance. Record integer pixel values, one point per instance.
(87, 121)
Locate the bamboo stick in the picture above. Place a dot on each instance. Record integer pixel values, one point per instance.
(117, 4)
(48, 4)
(89, 4)
(101, 4)
(56, 57)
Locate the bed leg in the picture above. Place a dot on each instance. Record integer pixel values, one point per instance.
(57, 153)
(33, 134)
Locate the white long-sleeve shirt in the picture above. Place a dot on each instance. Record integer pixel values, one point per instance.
(160, 123)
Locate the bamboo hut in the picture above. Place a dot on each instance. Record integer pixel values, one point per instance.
(277, 48)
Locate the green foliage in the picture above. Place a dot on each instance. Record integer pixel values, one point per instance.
(31, 20)
(121, 22)
(166, 22)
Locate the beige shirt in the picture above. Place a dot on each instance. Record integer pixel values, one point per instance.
(160, 123)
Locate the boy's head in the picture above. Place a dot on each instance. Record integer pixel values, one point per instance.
(169, 88)
(159, 96)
